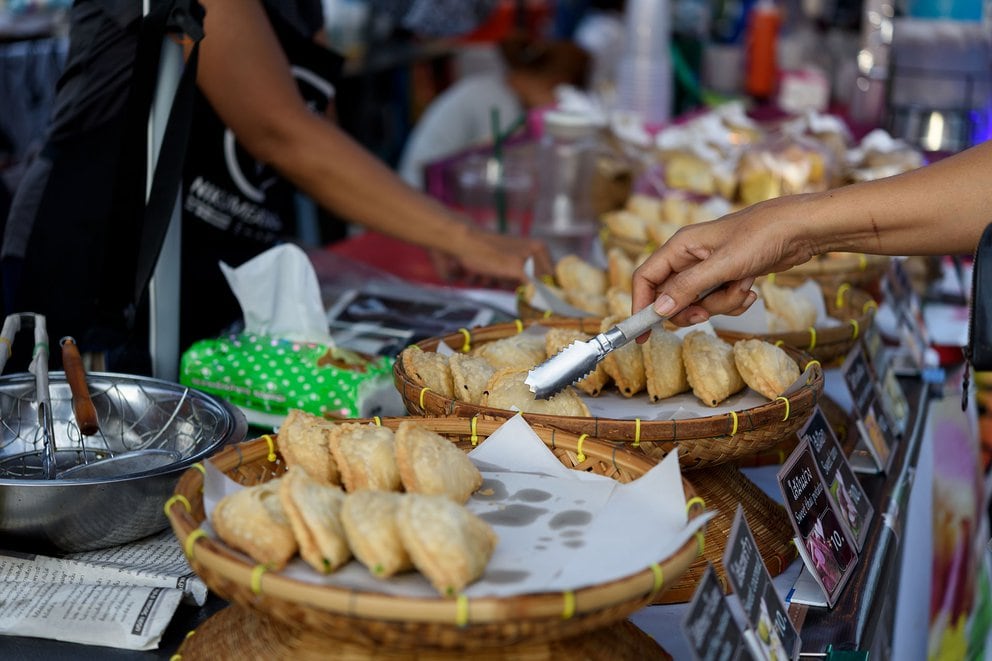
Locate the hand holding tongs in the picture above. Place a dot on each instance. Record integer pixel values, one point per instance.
(579, 359)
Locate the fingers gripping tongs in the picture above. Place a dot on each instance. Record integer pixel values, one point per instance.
(579, 359)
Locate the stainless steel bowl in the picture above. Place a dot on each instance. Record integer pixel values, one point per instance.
(135, 413)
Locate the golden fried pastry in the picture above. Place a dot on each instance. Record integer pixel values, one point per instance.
(314, 513)
(574, 273)
(303, 440)
(429, 368)
(252, 520)
(366, 456)
(594, 304)
(710, 368)
(659, 233)
(620, 269)
(625, 224)
(557, 339)
(448, 544)
(429, 463)
(646, 206)
(469, 374)
(369, 521)
(618, 303)
(624, 365)
(788, 311)
(765, 367)
(520, 351)
(663, 364)
(507, 390)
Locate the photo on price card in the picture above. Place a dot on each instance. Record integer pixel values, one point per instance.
(824, 543)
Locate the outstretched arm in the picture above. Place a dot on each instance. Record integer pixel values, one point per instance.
(941, 208)
(244, 74)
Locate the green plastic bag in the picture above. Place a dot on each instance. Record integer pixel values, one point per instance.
(270, 376)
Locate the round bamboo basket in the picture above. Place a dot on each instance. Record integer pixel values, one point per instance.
(701, 441)
(833, 269)
(239, 633)
(855, 307)
(377, 619)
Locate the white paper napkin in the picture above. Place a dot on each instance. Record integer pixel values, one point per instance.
(280, 296)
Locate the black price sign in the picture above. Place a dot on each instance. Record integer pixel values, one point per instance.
(823, 542)
(763, 607)
(709, 625)
(848, 497)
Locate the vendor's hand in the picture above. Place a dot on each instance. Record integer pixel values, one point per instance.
(490, 259)
(731, 251)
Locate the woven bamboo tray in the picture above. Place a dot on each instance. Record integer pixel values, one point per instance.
(855, 307)
(833, 269)
(701, 442)
(367, 618)
(239, 633)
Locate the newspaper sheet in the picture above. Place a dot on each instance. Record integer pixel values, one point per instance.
(123, 596)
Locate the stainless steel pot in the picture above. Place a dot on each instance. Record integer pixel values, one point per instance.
(135, 414)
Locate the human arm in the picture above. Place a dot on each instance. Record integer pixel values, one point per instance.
(244, 74)
(941, 208)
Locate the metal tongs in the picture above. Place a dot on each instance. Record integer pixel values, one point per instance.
(579, 359)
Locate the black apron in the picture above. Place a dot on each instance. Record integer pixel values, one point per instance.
(92, 237)
(233, 206)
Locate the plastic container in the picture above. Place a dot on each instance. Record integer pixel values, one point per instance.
(564, 216)
(761, 65)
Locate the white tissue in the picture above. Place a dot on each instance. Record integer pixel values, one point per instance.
(280, 296)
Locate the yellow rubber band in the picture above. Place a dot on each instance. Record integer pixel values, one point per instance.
(191, 540)
(521, 290)
(843, 289)
(857, 328)
(812, 339)
(659, 578)
(779, 343)
(869, 305)
(199, 466)
(781, 456)
(651, 246)
(701, 542)
(475, 433)
(547, 279)
(770, 278)
(175, 657)
(467, 344)
(192, 632)
(377, 420)
(568, 607)
(177, 498)
(422, 391)
(733, 416)
(693, 501)
(461, 611)
(272, 447)
(637, 432)
(520, 325)
(256, 578)
(811, 363)
(579, 454)
(547, 314)
(862, 261)
(787, 405)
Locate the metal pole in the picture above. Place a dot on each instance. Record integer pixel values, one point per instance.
(163, 289)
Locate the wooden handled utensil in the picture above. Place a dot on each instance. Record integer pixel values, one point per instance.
(75, 374)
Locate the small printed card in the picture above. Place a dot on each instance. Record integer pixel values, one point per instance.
(709, 624)
(872, 424)
(849, 499)
(898, 292)
(823, 542)
(764, 609)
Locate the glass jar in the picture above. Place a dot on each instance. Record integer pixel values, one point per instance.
(564, 217)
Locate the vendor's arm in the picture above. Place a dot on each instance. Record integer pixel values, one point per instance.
(938, 209)
(246, 77)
